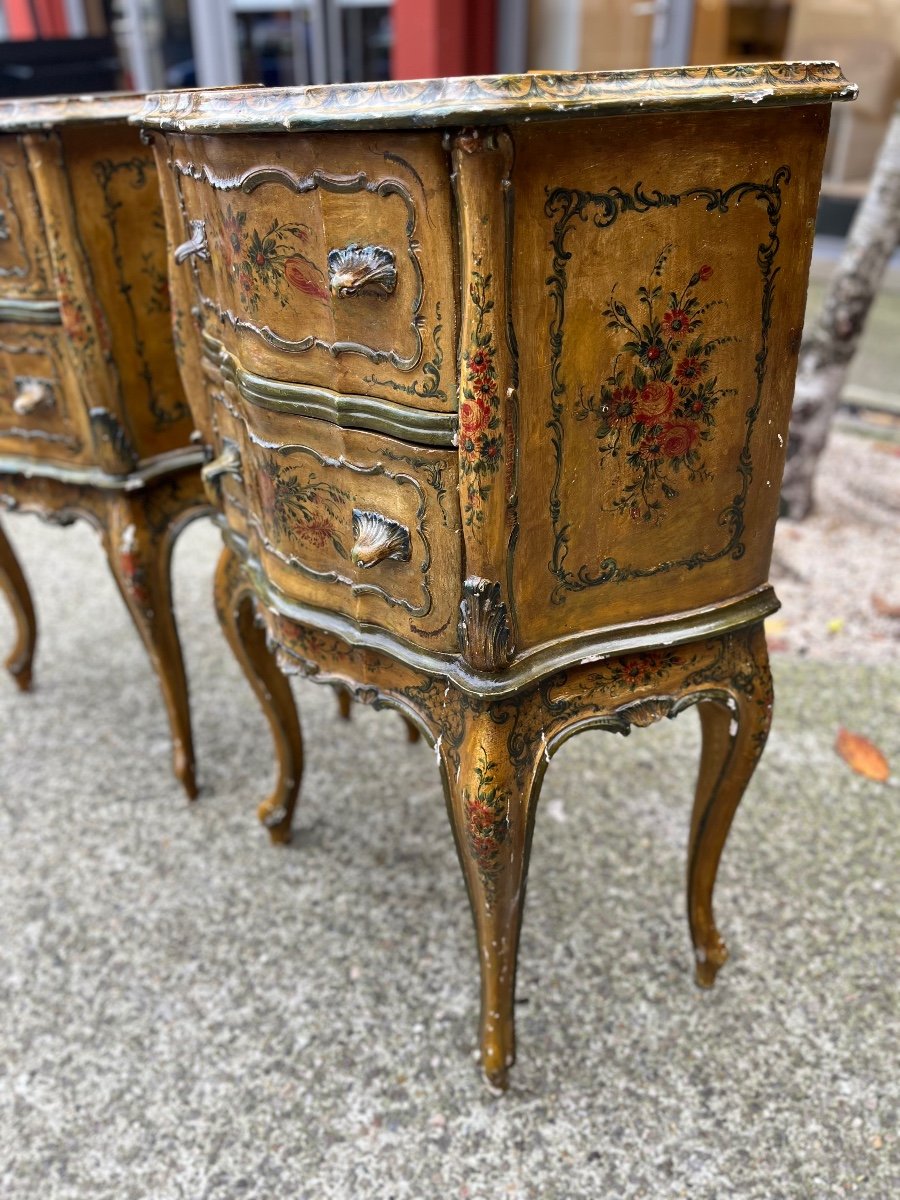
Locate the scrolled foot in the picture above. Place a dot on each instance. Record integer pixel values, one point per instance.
(497, 1057)
(710, 957)
(21, 674)
(276, 812)
(185, 772)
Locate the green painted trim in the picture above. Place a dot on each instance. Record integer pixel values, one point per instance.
(434, 103)
(152, 468)
(418, 426)
(33, 312)
(532, 666)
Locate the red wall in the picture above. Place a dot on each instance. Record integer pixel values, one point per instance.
(443, 37)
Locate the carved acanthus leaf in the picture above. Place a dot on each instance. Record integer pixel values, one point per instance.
(485, 638)
(647, 712)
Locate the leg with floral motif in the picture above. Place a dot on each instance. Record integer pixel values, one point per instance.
(734, 730)
(491, 806)
(14, 585)
(140, 554)
(237, 615)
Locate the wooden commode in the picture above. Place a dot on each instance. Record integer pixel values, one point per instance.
(93, 417)
(497, 375)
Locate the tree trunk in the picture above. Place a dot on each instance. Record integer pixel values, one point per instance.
(829, 346)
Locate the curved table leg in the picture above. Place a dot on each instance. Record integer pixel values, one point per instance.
(237, 616)
(13, 583)
(491, 806)
(140, 533)
(734, 733)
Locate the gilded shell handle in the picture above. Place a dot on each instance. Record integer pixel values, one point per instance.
(226, 463)
(378, 538)
(355, 269)
(31, 395)
(195, 245)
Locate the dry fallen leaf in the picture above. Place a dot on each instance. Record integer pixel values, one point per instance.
(862, 755)
(882, 607)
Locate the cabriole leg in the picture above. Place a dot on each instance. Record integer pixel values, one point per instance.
(140, 555)
(491, 808)
(247, 638)
(14, 585)
(734, 734)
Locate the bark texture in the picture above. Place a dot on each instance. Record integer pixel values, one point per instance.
(829, 346)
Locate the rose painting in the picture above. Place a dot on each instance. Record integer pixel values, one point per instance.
(656, 409)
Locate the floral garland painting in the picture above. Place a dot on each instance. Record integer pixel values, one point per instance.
(271, 263)
(481, 442)
(656, 408)
(308, 512)
(487, 821)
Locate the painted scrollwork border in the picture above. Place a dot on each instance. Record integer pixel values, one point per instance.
(566, 205)
(248, 182)
(375, 469)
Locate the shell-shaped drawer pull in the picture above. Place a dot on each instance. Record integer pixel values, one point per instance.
(378, 538)
(196, 244)
(226, 463)
(32, 394)
(354, 269)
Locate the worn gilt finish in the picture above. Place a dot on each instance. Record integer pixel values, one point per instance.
(499, 401)
(93, 417)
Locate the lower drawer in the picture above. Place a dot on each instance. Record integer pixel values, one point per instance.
(349, 521)
(40, 412)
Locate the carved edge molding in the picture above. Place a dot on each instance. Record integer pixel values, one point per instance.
(36, 312)
(421, 426)
(531, 665)
(485, 638)
(442, 102)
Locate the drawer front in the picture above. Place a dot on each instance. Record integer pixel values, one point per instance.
(323, 259)
(40, 414)
(23, 255)
(351, 522)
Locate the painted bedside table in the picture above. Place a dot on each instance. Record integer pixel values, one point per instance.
(498, 375)
(93, 418)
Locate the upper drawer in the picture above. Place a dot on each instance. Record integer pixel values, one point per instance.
(23, 254)
(324, 259)
(40, 414)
